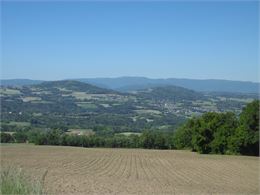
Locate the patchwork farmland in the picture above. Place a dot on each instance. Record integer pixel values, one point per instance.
(133, 171)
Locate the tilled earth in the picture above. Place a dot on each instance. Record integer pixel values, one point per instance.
(71, 170)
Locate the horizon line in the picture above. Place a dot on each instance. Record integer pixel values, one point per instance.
(144, 77)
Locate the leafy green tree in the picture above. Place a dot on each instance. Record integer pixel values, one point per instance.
(20, 137)
(224, 126)
(203, 133)
(147, 139)
(41, 139)
(201, 139)
(6, 138)
(152, 139)
(246, 138)
(222, 133)
(182, 138)
(54, 137)
(134, 141)
(160, 141)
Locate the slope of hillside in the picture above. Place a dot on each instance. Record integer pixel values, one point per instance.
(171, 93)
(74, 86)
(75, 105)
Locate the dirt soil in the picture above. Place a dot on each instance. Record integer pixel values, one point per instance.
(71, 170)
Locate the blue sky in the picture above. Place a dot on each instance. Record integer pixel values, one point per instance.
(58, 40)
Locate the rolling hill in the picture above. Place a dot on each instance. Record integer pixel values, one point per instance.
(71, 85)
(171, 93)
(70, 104)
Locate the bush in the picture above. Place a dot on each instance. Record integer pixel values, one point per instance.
(20, 137)
(6, 138)
(14, 181)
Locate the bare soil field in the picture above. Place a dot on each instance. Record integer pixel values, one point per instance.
(71, 170)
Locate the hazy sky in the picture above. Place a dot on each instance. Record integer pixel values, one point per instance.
(58, 40)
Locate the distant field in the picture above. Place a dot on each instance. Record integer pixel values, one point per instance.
(30, 99)
(81, 95)
(148, 111)
(86, 105)
(80, 132)
(10, 91)
(134, 171)
(129, 133)
(22, 124)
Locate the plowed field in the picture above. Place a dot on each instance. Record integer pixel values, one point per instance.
(134, 171)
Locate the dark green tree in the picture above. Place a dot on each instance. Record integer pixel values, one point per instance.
(6, 138)
(183, 136)
(204, 129)
(224, 126)
(20, 137)
(246, 138)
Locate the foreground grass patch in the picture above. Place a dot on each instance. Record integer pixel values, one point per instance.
(14, 181)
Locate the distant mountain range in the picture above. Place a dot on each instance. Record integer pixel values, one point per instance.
(19, 82)
(127, 84)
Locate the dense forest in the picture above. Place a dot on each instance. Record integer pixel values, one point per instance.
(215, 133)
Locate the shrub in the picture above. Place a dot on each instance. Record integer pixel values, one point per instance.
(14, 181)
(6, 138)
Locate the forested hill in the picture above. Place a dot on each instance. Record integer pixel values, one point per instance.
(76, 105)
(71, 85)
(171, 93)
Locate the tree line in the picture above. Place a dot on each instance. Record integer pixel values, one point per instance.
(148, 139)
(216, 133)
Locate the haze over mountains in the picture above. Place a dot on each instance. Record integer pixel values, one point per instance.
(126, 84)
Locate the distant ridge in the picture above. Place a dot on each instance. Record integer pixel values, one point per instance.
(74, 86)
(210, 85)
(126, 84)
